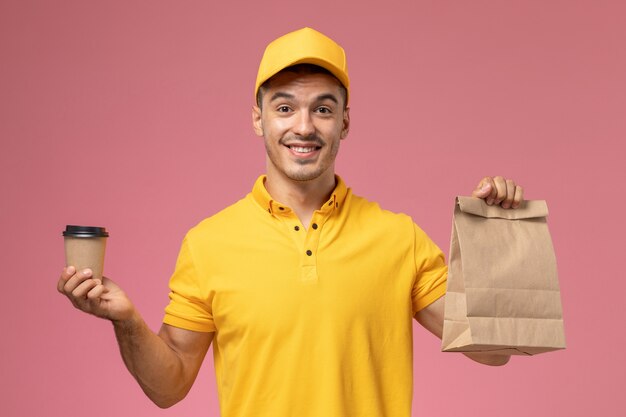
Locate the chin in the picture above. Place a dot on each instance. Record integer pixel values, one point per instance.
(300, 175)
(303, 177)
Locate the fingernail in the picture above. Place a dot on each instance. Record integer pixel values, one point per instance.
(87, 271)
(70, 270)
(490, 201)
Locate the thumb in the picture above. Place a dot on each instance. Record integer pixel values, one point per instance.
(483, 190)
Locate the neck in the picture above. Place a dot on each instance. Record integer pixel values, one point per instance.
(303, 197)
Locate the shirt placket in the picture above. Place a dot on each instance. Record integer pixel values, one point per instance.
(306, 240)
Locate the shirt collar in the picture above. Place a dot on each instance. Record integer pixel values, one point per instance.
(265, 200)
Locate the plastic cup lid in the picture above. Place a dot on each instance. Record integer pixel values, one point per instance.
(85, 231)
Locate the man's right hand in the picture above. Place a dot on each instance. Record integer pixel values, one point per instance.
(164, 365)
(103, 299)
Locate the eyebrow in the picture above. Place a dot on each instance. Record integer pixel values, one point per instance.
(281, 95)
(327, 96)
(321, 97)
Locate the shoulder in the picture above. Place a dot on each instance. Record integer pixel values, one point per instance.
(225, 222)
(371, 223)
(372, 212)
(369, 215)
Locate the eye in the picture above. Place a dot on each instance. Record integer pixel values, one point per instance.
(283, 109)
(324, 110)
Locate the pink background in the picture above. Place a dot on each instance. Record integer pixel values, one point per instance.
(135, 115)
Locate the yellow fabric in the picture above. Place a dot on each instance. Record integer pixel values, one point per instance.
(303, 46)
(322, 335)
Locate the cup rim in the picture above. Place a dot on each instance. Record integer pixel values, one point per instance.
(85, 231)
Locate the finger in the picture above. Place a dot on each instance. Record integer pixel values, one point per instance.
(76, 280)
(66, 274)
(510, 193)
(494, 192)
(518, 197)
(500, 190)
(483, 189)
(84, 287)
(96, 292)
(68, 271)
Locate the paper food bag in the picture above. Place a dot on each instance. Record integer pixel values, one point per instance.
(503, 291)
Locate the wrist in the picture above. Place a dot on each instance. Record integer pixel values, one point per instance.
(128, 322)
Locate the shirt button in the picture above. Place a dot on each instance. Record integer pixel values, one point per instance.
(314, 225)
(296, 228)
(308, 252)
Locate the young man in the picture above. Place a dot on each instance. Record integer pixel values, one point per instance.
(307, 291)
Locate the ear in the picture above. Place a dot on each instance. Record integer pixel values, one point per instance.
(346, 123)
(257, 122)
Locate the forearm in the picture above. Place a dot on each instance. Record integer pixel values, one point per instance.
(153, 363)
(432, 319)
(488, 358)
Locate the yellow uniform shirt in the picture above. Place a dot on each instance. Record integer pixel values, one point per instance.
(308, 323)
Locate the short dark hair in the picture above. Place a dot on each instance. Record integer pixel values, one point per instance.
(301, 69)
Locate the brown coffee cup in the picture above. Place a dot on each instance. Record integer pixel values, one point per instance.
(85, 247)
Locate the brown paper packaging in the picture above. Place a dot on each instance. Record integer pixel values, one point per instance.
(503, 292)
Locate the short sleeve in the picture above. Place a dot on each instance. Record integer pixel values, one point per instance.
(190, 303)
(431, 272)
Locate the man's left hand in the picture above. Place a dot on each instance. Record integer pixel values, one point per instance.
(499, 191)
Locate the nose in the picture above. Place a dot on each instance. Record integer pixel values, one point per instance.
(303, 124)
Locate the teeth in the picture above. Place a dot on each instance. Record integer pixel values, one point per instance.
(301, 149)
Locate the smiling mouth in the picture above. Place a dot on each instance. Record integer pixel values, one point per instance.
(304, 149)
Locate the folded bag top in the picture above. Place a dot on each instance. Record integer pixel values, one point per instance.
(527, 210)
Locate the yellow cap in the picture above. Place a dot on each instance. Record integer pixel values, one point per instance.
(304, 46)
